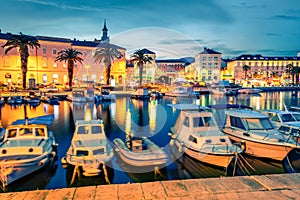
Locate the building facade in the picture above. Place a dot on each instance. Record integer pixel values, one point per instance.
(263, 70)
(208, 65)
(43, 68)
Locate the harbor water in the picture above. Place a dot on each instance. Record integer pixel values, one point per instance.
(152, 119)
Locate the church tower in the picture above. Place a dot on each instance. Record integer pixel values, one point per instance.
(104, 38)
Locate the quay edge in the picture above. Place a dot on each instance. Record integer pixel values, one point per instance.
(273, 186)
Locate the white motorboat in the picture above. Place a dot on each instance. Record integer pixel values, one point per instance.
(196, 134)
(82, 95)
(178, 92)
(26, 148)
(279, 117)
(249, 91)
(106, 92)
(140, 152)
(90, 150)
(141, 93)
(256, 134)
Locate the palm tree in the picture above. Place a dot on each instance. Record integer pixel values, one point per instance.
(22, 43)
(294, 72)
(107, 54)
(71, 56)
(246, 68)
(140, 59)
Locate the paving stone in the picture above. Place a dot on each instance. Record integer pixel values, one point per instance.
(274, 182)
(175, 188)
(153, 190)
(36, 195)
(236, 184)
(213, 185)
(61, 194)
(130, 191)
(13, 196)
(86, 193)
(107, 192)
(194, 186)
(291, 194)
(294, 178)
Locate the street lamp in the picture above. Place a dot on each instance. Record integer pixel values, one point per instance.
(87, 72)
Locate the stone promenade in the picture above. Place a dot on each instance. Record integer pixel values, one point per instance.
(279, 186)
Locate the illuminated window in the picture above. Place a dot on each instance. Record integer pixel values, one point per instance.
(55, 64)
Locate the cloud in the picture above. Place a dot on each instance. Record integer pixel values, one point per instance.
(180, 41)
(273, 34)
(285, 17)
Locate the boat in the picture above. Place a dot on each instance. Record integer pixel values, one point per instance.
(256, 134)
(279, 117)
(90, 151)
(141, 93)
(50, 99)
(33, 99)
(224, 88)
(28, 145)
(249, 91)
(81, 95)
(2, 100)
(106, 92)
(140, 152)
(15, 100)
(197, 135)
(178, 92)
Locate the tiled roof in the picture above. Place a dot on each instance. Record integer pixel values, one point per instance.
(180, 60)
(260, 57)
(53, 39)
(209, 51)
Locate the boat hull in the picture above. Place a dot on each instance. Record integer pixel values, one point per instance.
(270, 150)
(217, 159)
(14, 170)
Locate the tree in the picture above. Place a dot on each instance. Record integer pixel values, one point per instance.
(22, 43)
(107, 54)
(246, 68)
(71, 56)
(140, 59)
(293, 71)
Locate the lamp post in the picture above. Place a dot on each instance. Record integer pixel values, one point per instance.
(87, 72)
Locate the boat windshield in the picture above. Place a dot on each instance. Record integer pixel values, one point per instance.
(203, 121)
(297, 116)
(287, 118)
(258, 123)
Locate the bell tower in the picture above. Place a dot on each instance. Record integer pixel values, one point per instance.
(104, 38)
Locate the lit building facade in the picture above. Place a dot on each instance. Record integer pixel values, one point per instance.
(43, 68)
(170, 69)
(265, 70)
(208, 65)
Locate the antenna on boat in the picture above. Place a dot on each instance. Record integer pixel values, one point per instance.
(285, 108)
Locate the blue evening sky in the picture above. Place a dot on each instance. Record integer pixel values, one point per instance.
(171, 28)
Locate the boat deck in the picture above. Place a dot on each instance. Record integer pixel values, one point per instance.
(277, 186)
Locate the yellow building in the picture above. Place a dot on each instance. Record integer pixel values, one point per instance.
(43, 68)
(263, 70)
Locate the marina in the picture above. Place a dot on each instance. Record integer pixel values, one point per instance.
(152, 119)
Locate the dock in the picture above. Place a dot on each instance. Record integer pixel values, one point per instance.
(275, 186)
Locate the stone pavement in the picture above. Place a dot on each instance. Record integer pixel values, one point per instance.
(277, 186)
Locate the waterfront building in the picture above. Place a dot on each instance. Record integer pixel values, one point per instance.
(43, 68)
(208, 65)
(264, 70)
(149, 69)
(168, 70)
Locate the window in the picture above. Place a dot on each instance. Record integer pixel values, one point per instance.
(215, 58)
(55, 64)
(193, 139)
(209, 58)
(258, 123)
(54, 51)
(44, 49)
(287, 118)
(96, 129)
(83, 130)
(236, 122)
(209, 72)
(208, 121)
(186, 122)
(198, 122)
(203, 58)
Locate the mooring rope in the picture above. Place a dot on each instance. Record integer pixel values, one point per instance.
(105, 172)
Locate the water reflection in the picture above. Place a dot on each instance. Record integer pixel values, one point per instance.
(75, 178)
